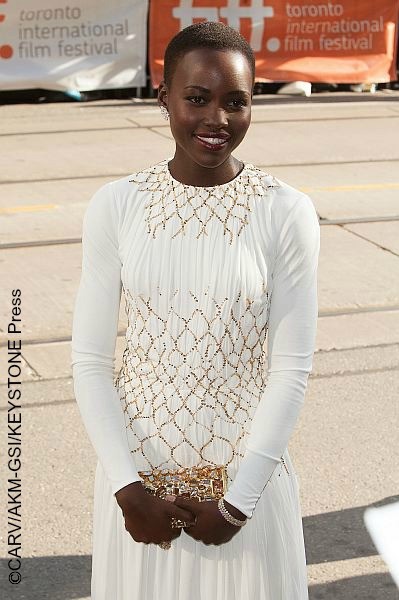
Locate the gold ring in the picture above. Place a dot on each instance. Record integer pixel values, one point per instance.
(165, 545)
(176, 523)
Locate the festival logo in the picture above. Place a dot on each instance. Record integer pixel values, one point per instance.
(81, 46)
(337, 41)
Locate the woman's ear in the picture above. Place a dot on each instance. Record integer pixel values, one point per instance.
(163, 94)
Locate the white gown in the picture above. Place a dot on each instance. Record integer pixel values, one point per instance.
(206, 273)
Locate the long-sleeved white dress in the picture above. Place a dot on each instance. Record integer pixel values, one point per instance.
(206, 273)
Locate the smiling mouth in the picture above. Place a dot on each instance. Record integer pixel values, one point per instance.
(212, 143)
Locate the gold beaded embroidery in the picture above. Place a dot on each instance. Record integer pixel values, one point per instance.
(229, 203)
(190, 376)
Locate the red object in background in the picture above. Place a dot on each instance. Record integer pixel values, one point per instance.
(2, 16)
(335, 42)
(6, 50)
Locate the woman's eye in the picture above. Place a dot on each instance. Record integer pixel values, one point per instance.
(195, 99)
(238, 103)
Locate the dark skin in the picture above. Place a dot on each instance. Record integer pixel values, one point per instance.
(225, 107)
(210, 94)
(148, 518)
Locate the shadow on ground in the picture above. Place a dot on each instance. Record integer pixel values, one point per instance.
(48, 578)
(339, 535)
(342, 535)
(329, 537)
(379, 586)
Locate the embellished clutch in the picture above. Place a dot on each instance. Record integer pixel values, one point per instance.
(201, 483)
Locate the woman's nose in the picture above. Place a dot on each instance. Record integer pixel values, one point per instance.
(215, 116)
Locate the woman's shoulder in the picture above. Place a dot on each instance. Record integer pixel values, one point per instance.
(118, 192)
(125, 188)
(283, 199)
(286, 211)
(284, 194)
(259, 180)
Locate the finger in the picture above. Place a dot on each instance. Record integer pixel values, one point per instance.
(191, 531)
(183, 515)
(170, 498)
(187, 503)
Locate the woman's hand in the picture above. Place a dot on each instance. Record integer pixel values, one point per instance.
(210, 527)
(147, 517)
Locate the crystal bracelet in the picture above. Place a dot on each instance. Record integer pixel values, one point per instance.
(228, 516)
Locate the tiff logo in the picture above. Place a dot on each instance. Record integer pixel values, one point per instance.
(233, 12)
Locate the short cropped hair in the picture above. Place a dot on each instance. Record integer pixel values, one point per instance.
(207, 34)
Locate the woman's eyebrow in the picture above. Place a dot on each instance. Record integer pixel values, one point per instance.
(243, 92)
(198, 87)
(206, 91)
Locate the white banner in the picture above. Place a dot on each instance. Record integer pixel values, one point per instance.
(82, 45)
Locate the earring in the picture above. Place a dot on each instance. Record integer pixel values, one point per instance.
(164, 112)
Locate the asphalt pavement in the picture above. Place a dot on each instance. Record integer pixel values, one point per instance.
(342, 149)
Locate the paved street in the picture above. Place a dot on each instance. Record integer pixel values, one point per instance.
(342, 149)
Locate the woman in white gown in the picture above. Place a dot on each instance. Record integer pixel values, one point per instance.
(211, 254)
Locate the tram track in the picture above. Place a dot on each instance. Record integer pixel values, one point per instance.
(132, 124)
(78, 240)
(268, 167)
(63, 339)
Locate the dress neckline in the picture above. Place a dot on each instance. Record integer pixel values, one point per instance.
(227, 204)
(158, 179)
(207, 188)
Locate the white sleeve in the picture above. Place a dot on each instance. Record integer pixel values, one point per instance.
(291, 341)
(94, 332)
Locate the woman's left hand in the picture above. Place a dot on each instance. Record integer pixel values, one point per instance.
(210, 527)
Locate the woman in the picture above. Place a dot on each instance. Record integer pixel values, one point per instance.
(211, 253)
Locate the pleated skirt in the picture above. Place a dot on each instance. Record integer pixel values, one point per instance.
(264, 561)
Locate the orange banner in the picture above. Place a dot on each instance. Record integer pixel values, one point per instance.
(346, 41)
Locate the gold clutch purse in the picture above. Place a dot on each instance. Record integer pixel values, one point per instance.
(201, 483)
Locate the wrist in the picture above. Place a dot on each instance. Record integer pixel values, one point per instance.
(237, 514)
(224, 509)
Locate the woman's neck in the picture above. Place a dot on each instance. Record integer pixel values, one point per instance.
(191, 173)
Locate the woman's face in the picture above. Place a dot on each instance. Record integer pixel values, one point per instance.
(209, 103)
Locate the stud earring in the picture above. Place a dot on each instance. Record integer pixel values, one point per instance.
(164, 112)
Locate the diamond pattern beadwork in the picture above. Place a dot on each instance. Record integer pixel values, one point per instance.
(172, 202)
(189, 383)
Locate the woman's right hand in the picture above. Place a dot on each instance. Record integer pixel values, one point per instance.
(147, 517)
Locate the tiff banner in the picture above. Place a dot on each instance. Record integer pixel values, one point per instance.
(345, 41)
(81, 45)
